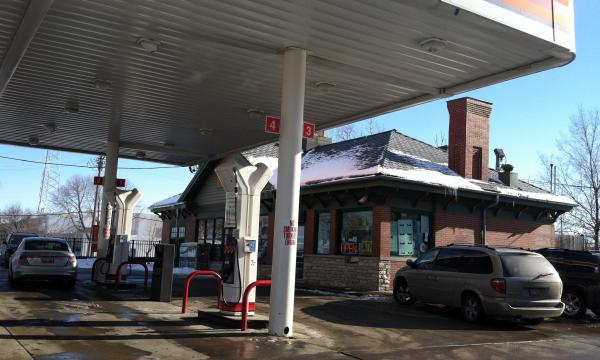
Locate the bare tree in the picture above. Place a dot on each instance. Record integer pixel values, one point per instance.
(75, 199)
(373, 127)
(345, 132)
(440, 139)
(578, 173)
(16, 219)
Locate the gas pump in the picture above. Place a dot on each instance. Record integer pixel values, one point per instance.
(243, 186)
(117, 227)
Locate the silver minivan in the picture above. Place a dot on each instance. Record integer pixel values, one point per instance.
(480, 280)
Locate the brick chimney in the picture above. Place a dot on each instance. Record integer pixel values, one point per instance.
(469, 137)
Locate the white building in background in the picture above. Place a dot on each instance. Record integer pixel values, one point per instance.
(146, 227)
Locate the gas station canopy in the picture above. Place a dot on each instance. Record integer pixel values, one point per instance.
(183, 81)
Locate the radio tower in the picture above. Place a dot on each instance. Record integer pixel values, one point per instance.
(50, 180)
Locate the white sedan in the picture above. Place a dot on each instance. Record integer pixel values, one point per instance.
(43, 258)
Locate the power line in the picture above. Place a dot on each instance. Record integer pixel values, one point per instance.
(86, 166)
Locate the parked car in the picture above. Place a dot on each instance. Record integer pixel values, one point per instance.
(580, 273)
(480, 280)
(43, 258)
(9, 246)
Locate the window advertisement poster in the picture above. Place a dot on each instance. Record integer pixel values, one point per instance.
(410, 234)
(263, 240)
(323, 233)
(230, 210)
(356, 233)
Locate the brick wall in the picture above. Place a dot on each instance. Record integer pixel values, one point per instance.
(382, 230)
(466, 228)
(456, 227)
(469, 127)
(166, 231)
(190, 228)
(516, 233)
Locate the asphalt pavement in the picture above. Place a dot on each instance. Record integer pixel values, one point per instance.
(41, 321)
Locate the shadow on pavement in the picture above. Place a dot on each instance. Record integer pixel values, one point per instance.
(418, 316)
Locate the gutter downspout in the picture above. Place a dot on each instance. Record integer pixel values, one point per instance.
(484, 219)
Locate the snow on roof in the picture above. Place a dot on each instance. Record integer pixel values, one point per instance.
(528, 195)
(166, 202)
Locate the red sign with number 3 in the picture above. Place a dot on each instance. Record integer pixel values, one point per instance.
(308, 131)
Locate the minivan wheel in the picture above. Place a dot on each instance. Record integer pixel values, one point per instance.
(402, 293)
(574, 304)
(472, 309)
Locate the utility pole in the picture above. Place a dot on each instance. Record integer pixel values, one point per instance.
(99, 166)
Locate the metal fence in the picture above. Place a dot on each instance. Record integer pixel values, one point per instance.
(83, 247)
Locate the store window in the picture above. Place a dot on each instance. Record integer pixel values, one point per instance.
(323, 233)
(177, 232)
(218, 239)
(210, 231)
(356, 233)
(263, 240)
(410, 234)
(201, 230)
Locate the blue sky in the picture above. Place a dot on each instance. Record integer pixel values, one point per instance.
(529, 114)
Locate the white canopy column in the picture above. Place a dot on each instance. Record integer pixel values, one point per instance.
(288, 193)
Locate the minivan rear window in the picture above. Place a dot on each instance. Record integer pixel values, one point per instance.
(525, 265)
(49, 245)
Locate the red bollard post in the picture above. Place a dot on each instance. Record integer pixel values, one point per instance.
(188, 280)
(250, 287)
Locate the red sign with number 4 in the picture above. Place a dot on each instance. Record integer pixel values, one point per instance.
(273, 124)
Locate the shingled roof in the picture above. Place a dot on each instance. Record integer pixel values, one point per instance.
(393, 155)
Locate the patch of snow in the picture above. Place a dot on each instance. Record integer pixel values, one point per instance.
(432, 177)
(536, 196)
(351, 295)
(168, 201)
(183, 271)
(85, 263)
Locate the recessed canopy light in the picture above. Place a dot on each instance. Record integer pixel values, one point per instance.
(102, 84)
(255, 114)
(140, 154)
(50, 126)
(72, 106)
(205, 131)
(168, 144)
(149, 45)
(433, 45)
(33, 141)
(324, 86)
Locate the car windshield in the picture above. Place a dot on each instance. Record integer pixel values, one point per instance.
(54, 245)
(16, 239)
(525, 265)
